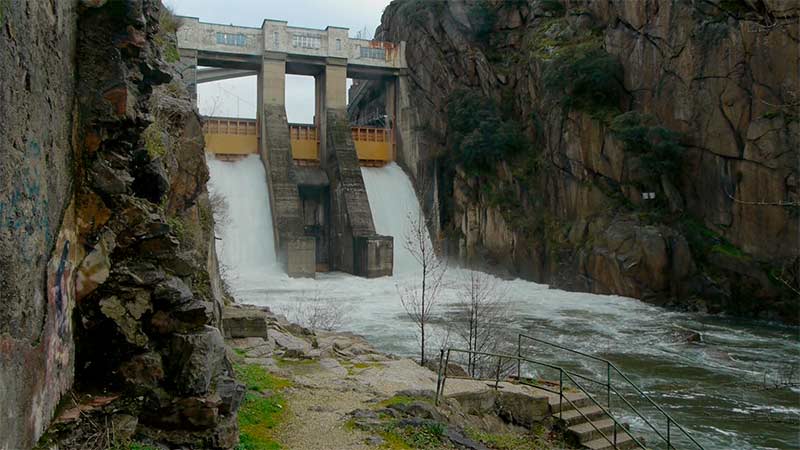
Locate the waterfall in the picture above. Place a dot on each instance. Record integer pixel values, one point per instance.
(247, 246)
(394, 206)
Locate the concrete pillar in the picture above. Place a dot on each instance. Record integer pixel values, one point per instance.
(319, 122)
(273, 78)
(331, 86)
(336, 83)
(390, 87)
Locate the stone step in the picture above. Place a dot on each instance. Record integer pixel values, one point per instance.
(573, 417)
(588, 431)
(575, 401)
(624, 442)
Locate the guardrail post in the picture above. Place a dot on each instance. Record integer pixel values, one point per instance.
(560, 393)
(615, 434)
(444, 371)
(519, 358)
(669, 446)
(608, 386)
(439, 375)
(497, 374)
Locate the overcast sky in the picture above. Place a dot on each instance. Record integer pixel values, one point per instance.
(237, 98)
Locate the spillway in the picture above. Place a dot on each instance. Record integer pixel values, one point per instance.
(715, 388)
(394, 207)
(247, 246)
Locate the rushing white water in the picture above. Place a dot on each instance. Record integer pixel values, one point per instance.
(394, 207)
(247, 246)
(715, 388)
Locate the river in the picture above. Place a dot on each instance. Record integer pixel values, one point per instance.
(731, 389)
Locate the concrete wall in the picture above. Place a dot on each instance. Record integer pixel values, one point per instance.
(38, 246)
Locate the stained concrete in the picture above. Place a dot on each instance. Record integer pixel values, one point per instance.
(38, 249)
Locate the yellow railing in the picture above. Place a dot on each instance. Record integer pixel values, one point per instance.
(227, 136)
(373, 145)
(305, 143)
(231, 136)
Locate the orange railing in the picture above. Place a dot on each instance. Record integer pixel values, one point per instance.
(230, 136)
(374, 146)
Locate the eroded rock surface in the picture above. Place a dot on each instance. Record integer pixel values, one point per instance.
(568, 209)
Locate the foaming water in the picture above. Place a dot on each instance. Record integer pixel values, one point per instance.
(715, 388)
(247, 246)
(393, 202)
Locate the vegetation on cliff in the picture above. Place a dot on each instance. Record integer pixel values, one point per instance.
(576, 125)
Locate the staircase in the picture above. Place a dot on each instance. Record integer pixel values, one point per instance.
(585, 421)
(588, 422)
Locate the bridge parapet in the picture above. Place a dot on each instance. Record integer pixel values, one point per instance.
(277, 36)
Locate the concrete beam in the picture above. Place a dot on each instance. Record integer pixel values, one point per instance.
(216, 74)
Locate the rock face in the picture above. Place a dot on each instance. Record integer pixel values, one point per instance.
(109, 275)
(660, 157)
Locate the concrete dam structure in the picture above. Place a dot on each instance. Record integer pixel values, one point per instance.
(320, 210)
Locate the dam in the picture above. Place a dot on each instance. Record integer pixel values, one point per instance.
(320, 210)
(244, 156)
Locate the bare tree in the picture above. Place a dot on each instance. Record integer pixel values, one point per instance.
(482, 302)
(419, 298)
(318, 313)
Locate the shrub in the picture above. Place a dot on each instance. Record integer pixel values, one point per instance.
(585, 78)
(658, 146)
(554, 7)
(482, 17)
(480, 135)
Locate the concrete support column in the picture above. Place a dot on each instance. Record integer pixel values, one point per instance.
(390, 87)
(332, 90)
(319, 95)
(273, 78)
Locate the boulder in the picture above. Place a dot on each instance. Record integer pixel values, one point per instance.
(288, 342)
(172, 291)
(231, 394)
(244, 323)
(142, 370)
(194, 360)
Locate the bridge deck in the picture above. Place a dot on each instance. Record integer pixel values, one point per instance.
(240, 47)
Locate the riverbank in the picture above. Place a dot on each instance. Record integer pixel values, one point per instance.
(336, 391)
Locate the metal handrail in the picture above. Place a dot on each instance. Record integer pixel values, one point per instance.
(609, 367)
(444, 360)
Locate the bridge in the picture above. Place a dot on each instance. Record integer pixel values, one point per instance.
(320, 210)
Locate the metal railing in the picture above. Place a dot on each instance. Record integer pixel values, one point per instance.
(563, 375)
(666, 436)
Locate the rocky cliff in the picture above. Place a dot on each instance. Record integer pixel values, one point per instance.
(109, 272)
(647, 148)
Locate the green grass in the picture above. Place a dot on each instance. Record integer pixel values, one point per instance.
(425, 437)
(402, 400)
(256, 378)
(260, 414)
(140, 446)
(512, 441)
